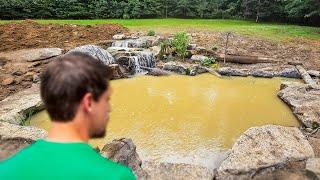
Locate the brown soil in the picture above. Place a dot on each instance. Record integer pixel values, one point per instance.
(29, 34)
(16, 76)
(302, 51)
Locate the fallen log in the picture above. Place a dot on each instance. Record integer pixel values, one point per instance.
(245, 59)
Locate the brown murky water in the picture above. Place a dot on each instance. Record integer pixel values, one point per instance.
(189, 119)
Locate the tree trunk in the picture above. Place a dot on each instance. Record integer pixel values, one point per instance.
(244, 59)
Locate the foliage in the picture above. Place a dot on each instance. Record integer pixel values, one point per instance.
(180, 44)
(208, 61)
(299, 11)
(215, 66)
(169, 58)
(25, 118)
(165, 47)
(151, 33)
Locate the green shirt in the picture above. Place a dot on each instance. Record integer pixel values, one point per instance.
(58, 161)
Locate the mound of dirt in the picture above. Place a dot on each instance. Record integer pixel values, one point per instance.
(30, 34)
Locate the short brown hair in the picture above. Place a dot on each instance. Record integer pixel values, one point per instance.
(67, 79)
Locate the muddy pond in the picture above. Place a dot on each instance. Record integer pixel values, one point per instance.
(189, 119)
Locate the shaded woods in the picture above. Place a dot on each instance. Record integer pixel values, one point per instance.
(292, 11)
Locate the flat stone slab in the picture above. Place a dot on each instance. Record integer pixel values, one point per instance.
(8, 130)
(176, 171)
(228, 71)
(303, 101)
(31, 55)
(266, 146)
(265, 70)
(184, 69)
(16, 108)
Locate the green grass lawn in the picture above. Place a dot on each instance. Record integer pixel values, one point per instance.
(267, 30)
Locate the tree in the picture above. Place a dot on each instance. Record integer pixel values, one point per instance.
(258, 8)
(303, 10)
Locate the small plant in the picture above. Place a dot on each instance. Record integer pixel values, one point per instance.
(165, 47)
(180, 44)
(188, 71)
(25, 119)
(215, 66)
(214, 48)
(151, 33)
(208, 61)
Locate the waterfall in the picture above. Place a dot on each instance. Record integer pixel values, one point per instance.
(121, 43)
(136, 57)
(143, 58)
(147, 59)
(134, 62)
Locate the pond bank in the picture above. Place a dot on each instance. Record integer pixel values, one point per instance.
(268, 151)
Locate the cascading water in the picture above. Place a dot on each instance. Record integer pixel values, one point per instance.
(137, 57)
(134, 62)
(122, 44)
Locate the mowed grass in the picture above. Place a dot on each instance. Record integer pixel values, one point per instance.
(273, 31)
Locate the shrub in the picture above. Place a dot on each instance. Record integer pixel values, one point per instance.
(151, 33)
(180, 43)
(208, 61)
(165, 47)
(214, 48)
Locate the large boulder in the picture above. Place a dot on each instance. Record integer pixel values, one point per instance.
(198, 58)
(184, 69)
(262, 73)
(123, 151)
(19, 106)
(10, 146)
(172, 171)
(31, 55)
(266, 146)
(175, 67)
(303, 101)
(314, 73)
(271, 173)
(289, 73)
(8, 130)
(228, 71)
(96, 52)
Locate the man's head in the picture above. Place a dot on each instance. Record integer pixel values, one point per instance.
(76, 86)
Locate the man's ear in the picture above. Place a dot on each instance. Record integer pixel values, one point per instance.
(87, 102)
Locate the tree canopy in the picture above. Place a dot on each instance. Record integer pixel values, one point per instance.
(295, 11)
